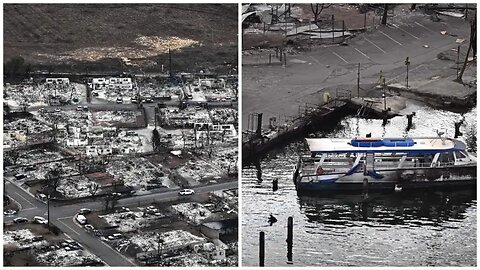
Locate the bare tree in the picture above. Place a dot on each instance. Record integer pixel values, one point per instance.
(93, 188)
(156, 140)
(11, 157)
(473, 38)
(53, 179)
(317, 9)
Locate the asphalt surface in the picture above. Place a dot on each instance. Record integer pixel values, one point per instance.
(278, 91)
(63, 216)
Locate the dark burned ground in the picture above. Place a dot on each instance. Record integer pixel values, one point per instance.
(35, 31)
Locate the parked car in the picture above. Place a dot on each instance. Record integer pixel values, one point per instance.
(81, 219)
(115, 236)
(84, 211)
(9, 212)
(119, 100)
(20, 176)
(79, 108)
(20, 220)
(186, 192)
(89, 228)
(42, 197)
(39, 220)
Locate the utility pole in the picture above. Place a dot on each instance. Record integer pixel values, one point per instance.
(358, 81)
(169, 62)
(365, 21)
(48, 210)
(333, 28)
(407, 63)
(458, 60)
(384, 95)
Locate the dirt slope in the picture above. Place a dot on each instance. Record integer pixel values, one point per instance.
(81, 36)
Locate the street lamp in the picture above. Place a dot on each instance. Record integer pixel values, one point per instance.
(384, 96)
(407, 63)
(458, 60)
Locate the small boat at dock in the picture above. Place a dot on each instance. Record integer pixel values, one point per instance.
(384, 164)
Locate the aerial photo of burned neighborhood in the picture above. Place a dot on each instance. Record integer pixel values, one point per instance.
(120, 135)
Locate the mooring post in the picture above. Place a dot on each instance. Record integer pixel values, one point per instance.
(410, 120)
(290, 240)
(259, 124)
(365, 189)
(262, 249)
(275, 184)
(457, 129)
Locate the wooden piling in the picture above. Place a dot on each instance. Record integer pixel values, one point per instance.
(275, 184)
(262, 250)
(365, 189)
(290, 240)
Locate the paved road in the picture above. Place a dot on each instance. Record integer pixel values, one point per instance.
(62, 216)
(384, 49)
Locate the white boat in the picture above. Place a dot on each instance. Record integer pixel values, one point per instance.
(384, 164)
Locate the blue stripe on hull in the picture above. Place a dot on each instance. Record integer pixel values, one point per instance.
(329, 186)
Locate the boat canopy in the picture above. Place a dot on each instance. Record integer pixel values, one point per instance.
(385, 145)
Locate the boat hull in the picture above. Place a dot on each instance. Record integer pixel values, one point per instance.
(406, 179)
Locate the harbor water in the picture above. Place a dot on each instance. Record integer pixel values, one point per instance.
(425, 228)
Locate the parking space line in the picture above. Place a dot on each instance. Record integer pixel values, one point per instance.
(390, 38)
(25, 199)
(375, 45)
(405, 31)
(67, 226)
(315, 59)
(339, 57)
(423, 26)
(362, 53)
(30, 208)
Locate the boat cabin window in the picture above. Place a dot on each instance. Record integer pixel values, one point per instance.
(447, 157)
(460, 155)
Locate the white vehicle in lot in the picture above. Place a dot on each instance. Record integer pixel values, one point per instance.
(9, 212)
(186, 192)
(84, 211)
(115, 236)
(42, 197)
(40, 220)
(81, 219)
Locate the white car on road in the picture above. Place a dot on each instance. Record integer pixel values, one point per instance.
(40, 220)
(186, 192)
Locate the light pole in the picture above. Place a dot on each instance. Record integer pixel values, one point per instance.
(384, 96)
(48, 211)
(458, 60)
(407, 63)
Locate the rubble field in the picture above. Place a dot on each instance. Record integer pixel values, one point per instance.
(140, 173)
(37, 246)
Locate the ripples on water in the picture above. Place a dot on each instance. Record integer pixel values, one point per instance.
(398, 229)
